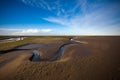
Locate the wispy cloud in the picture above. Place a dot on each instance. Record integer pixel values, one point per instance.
(82, 15)
(58, 20)
(41, 4)
(60, 8)
(98, 17)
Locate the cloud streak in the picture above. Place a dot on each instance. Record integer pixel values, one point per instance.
(82, 14)
(25, 31)
(93, 17)
(29, 31)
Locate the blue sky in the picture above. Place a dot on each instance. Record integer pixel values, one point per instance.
(59, 17)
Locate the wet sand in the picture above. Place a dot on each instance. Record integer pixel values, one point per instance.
(99, 59)
(12, 63)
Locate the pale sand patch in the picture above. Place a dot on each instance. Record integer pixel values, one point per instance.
(64, 59)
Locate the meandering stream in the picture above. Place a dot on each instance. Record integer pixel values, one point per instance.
(36, 54)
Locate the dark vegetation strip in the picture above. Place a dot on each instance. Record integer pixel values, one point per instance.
(11, 50)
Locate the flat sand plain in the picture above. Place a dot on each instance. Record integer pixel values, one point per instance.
(99, 59)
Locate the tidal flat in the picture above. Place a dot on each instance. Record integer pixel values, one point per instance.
(60, 58)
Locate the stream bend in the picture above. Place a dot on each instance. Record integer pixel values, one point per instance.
(36, 54)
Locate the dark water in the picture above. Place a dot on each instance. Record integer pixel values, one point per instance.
(36, 56)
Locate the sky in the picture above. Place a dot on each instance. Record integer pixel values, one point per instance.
(59, 17)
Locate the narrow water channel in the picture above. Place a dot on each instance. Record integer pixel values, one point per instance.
(36, 54)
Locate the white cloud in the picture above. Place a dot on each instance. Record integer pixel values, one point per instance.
(33, 31)
(25, 31)
(46, 30)
(30, 31)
